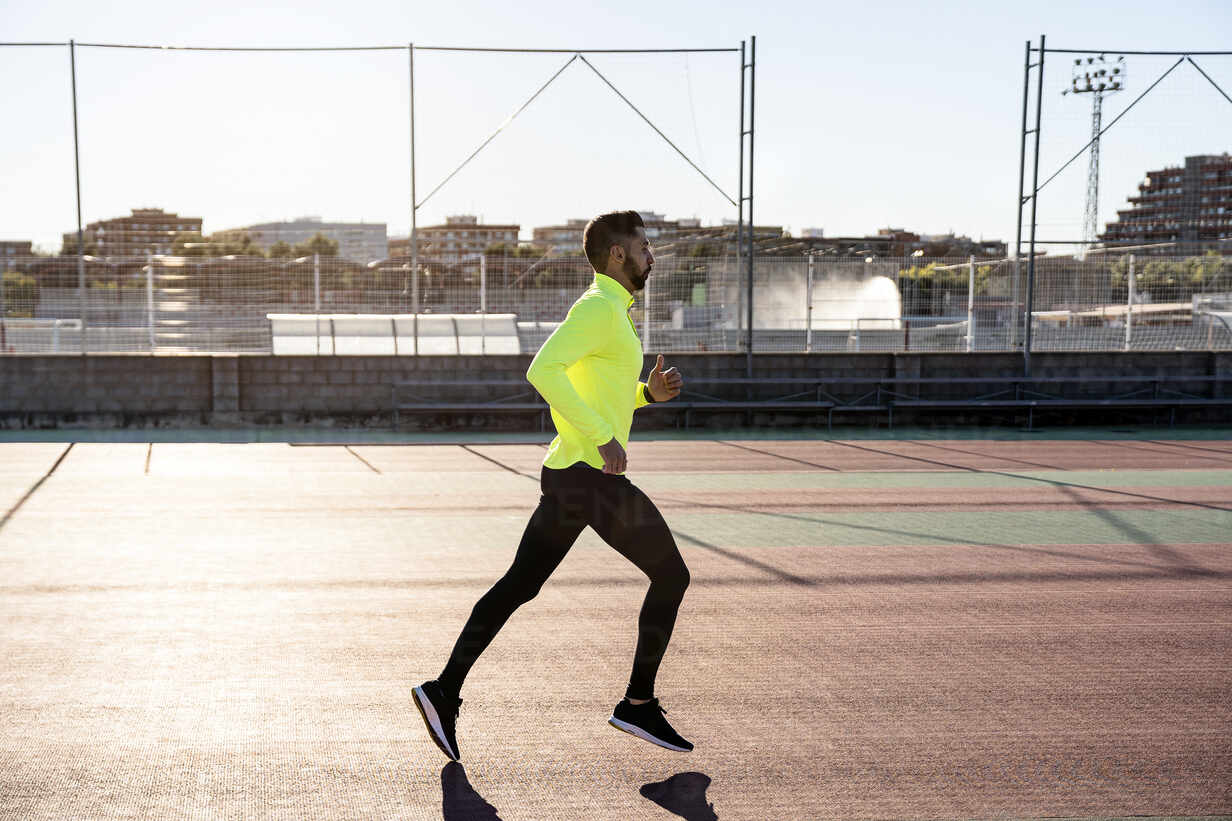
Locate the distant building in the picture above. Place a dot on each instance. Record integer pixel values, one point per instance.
(772, 240)
(1190, 206)
(10, 248)
(459, 236)
(951, 245)
(564, 238)
(567, 238)
(146, 230)
(357, 241)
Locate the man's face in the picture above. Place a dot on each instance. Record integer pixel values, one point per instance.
(638, 259)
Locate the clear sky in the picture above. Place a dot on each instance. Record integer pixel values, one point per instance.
(869, 114)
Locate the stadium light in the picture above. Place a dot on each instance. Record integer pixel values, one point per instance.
(1097, 77)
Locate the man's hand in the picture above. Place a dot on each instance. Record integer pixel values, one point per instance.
(664, 384)
(613, 454)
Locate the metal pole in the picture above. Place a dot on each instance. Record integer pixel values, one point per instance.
(483, 303)
(740, 204)
(1014, 304)
(1022, 169)
(1039, 98)
(646, 317)
(410, 50)
(808, 309)
(970, 303)
(149, 296)
(316, 296)
(749, 236)
(1129, 308)
(81, 246)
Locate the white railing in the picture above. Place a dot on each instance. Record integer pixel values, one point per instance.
(396, 334)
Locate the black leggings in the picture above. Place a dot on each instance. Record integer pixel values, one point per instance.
(626, 519)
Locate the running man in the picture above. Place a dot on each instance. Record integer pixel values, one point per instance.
(588, 371)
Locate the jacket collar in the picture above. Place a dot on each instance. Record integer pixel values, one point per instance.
(613, 289)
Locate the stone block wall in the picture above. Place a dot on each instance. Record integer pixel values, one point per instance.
(54, 390)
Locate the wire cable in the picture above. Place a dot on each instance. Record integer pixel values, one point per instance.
(1208, 78)
(244, 48)
(656, 129)
(397, 48)
(1082, 150)
(1122, 51)
(499, 129)
(688, 79)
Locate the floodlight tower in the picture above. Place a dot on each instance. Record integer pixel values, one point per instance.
(1096, 76)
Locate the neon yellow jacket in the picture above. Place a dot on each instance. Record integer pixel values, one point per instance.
(588, 371)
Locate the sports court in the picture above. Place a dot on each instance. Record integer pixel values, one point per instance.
(876, 628)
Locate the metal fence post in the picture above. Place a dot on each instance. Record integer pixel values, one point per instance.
(1039, 103)
(81, 246)
(808, 308)
(483, 304)
(1014, 306)
(149, 296)
(646, 316)
(316, 296)
(1129, 308)
(414, 239)
(970, 303)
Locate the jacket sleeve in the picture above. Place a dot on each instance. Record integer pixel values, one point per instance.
(639, 398)
(586, 328)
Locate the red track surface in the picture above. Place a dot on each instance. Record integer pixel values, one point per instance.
(234, 634)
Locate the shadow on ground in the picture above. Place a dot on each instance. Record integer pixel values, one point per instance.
(684, 794)
(461, 802)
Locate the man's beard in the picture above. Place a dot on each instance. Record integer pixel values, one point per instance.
(636, 278)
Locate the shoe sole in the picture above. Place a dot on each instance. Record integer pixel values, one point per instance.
(634, 730)
(433, 722)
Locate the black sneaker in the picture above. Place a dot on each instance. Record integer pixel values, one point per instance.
(646, 721)
(440, 713)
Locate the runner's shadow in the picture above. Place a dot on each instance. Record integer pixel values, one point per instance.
(683, 794)
(461, 802)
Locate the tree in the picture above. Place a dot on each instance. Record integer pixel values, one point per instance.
(244, 246)
(280, 250)
(21, 294)
(69, 247)
(189, 244)
(319, 244)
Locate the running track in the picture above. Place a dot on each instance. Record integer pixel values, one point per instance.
(888, 629)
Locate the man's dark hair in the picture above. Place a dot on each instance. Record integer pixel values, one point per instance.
(607, 230)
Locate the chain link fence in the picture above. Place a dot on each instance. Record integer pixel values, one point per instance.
(496, 304)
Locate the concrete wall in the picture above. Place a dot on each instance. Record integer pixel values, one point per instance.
(142, 390)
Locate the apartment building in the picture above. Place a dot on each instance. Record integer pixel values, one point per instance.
(459, 236)
(145, 230)
(1187, 208)
(357, 241)
(12, 248)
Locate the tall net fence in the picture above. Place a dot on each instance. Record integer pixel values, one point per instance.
(1128, 178)
(1126, 144)
(502, 304)
(1159, 281)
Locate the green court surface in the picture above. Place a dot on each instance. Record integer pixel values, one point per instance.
(908, 627)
